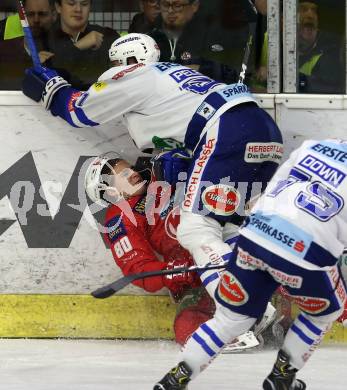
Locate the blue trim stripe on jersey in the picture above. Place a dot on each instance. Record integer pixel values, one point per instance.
(203, 344)
(206, 270)
(309, 325)
(302, 335)
(82, 117)
(210, 279)
(212, 335)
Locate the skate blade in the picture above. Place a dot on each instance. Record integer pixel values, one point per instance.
(243, 342)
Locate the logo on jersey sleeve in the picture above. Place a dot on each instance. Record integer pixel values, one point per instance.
(311, 305)
(231, 290)
(206, 110)
(72, 100)
(258, 152)
(221, 199)
(115, 228)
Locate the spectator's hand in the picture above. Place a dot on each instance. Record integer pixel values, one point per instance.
(261, 74)
(92, 40)
(42, 84)
(45, 56)
(176, 282)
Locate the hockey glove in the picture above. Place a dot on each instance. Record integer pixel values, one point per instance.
(177, 282)
(168, 165)
(41, 84)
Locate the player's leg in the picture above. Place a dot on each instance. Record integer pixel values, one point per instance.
(320, 298)
(250, 339)
(239, 304)
(229, 168)
(195, 308)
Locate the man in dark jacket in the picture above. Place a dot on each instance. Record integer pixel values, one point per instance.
(187, 35)
(179, 33)
(144, 21)
(80, 48)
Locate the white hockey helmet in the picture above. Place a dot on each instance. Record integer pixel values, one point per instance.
(96, 181)
(101, 176)
(141, 47)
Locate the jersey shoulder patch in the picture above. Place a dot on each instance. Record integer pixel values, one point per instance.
(115, 228)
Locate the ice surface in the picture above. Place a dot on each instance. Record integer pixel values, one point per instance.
(137, 365)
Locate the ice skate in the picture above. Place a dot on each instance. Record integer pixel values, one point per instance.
(266, 320)
(243, 342)
(282, 376)
(176, 379)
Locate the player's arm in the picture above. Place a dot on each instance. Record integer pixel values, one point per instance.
(133, 254)
(56, 94)
(106, 100)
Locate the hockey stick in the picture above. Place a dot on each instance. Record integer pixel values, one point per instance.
(112, 288)
(252, 14)
(28, 35)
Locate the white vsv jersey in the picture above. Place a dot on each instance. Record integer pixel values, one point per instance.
(302, 215)
(156, 99)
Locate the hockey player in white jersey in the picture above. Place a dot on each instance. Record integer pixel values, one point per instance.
(232, 143)
(293, 237)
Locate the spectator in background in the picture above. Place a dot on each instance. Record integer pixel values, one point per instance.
(184, 36)
(178, 33)
(320, 65)
(79, 48)
(14, 53)
(144, 22)
(259, 81)
(227, 39)
(6, 6)
(261, 6)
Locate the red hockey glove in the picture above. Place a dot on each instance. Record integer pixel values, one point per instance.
(177, 282)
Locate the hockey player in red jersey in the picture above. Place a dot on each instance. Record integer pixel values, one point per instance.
(140, 230)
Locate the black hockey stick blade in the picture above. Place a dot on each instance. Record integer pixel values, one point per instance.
(114, 287)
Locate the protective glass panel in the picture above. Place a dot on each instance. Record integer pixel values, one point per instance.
(74, 36)
(320, 46)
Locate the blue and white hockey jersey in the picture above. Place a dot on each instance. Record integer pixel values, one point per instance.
(302, 215)
(155, 99)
